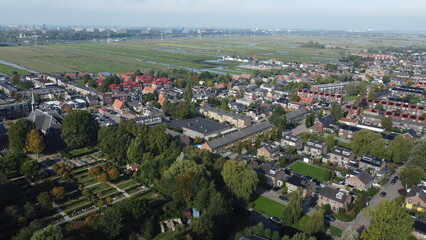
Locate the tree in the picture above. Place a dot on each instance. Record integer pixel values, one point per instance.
(388, 221)
(29, 168)
(110, 222)
(108, 200)
(336, 111)
(329, 142)
(26, 232)
(418, 154)
(136, 150)
(79, 129)
(187, 94)
(386, 123)
(371, 95)
(348, 234)
(320, 114)
(293, 211)
(239, 147)
(100, 203)
(44, 198)
(400, 147)
(103, 177)
(411, 175)
(113, 173)
(316, 222)
(294, 97)
(379, 107)
(51, 232)
(58, 193)
(232, 174)
(18, 133)
(34, 142)
(362, 141)
(310, 119)
(29, 209)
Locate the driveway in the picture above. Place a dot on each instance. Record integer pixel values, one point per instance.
(271, 194)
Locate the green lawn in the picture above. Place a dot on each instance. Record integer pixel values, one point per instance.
(80, 151)
(75, 205)
(88, 181)
(99, 187)
(302, 223)
(343, 144)
(269, 207)
(349, 98)
(335, 231)
(127, 184)
(309, 170)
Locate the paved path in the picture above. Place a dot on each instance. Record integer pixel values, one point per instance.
(119, 189)
(60, 211)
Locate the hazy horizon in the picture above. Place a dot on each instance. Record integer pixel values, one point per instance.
(381, 15)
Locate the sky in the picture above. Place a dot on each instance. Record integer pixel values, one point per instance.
(382, 15)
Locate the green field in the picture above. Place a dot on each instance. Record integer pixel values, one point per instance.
(309, 170)
(5, 69)
(199, 54)
(269, 207)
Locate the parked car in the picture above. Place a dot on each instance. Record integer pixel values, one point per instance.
(276, 220)
(396, 178)
(329, 217)
(413, 215)
(382, 194)
(284, 198)
(393, 181)
(402, 191)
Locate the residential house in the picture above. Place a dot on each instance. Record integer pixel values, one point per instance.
(220, 144)
(292, 141)
(338, 199)
(374, 163)
(315, 148)
(360, 180)
(298, 182)
(274, 176)
(118, 106)
(322, 123)
(416, 199)
(268, 151)
(240, 121)
(419, 231)
(341, 156)
(296, 116)
(11, 109)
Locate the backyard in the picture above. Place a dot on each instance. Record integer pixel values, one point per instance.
(309, 170)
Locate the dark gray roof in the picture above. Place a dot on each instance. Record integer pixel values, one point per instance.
(374, 161)
(295, 180)
(45, 121)
(200, 125)
(296, 114)
(315, 144)
(327, 120)
(3, 130)
(149, 120)
(333, 194)
(239, 135)
(420, 190)
(420, 226)
(341, 151)
(364, 177)
(291, 138)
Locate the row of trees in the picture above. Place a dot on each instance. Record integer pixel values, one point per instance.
(368, 142)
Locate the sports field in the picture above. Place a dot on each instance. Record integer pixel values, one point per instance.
(197, 54)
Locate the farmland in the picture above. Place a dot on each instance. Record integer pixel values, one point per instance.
(195, 54)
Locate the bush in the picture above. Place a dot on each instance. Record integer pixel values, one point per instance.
(372, 191)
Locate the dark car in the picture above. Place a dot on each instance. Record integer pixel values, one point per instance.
(284, 198)
(382, 194)
(393, 181)
(276, 220)
(413, 215)
(396, 178)
(329, 217)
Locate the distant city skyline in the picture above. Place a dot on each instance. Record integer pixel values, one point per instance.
(381, 15)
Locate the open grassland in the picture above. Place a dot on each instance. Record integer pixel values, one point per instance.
(5, 69)
(196, 54)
